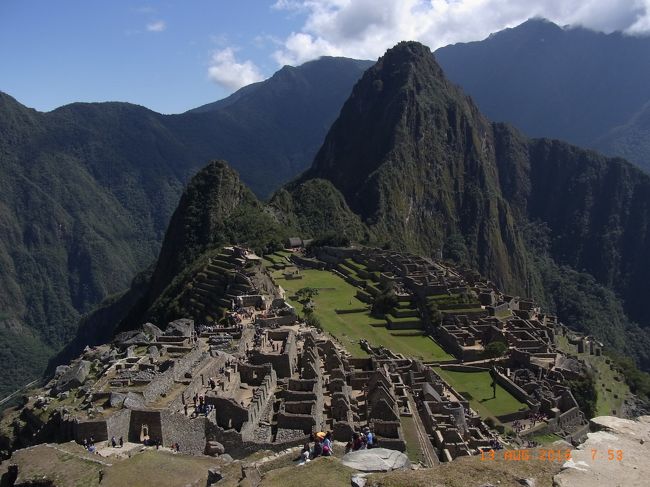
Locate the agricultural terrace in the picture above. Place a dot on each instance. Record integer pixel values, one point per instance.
(336, 294)
(611, 387)
(477, 388)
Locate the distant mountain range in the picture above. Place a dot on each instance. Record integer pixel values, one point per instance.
(574, 84)
(412, 164)
(87, 191)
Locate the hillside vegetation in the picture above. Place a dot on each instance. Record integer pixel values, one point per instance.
(88, 189)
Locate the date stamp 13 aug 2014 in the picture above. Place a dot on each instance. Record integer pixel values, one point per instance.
(549, 455)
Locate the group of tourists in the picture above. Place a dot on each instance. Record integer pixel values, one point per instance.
(114, 442)
(89, 444)
(323, 447)
(361, 440)
(200, 406)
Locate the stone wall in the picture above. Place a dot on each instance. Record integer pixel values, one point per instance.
(253, 375)
(304, 422)
(164, 381)
(304, 262)
(261, 397)
(516, 391)
(229, 414)
(283, 363)
(86, 429)
(188, 433)
(117, 424)
(197, 383)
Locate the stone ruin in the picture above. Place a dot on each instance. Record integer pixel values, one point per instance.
(261, 379)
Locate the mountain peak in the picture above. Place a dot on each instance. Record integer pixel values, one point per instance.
(401, 103)
(409, 55)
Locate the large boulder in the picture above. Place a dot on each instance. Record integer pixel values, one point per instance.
(134, 401)
(375, 460)
(616, 454)
(181, 328)
(60, 370)
(214, 448)
(152, 330)
(73, 377)
(133, 337)
(116, 399)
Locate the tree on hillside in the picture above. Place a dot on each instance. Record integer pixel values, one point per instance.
(384, 302)
(306, 294)
(435, 314)
(586, 395)
(495, 349)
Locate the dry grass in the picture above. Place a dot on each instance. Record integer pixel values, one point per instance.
(163, 468)
(318, 473)
(472, 472)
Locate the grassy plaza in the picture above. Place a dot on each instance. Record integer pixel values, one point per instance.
(477, 387)
(336, 294)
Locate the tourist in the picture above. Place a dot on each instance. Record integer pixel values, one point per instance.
(370, 438)
(327, 445)
(304, 454)
(318, 448)
(357, 442)
(113, 442)
(121, 442)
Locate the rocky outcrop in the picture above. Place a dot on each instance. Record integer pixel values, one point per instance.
(73, 377)
(375, 460)
(616, 453)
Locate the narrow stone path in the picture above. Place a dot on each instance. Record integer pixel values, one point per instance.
(429, 453)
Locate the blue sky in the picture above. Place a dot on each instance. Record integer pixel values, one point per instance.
(174, 55)
(154, 54)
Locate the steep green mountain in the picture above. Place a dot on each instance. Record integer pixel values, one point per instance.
(414, 158)
(87, 191)
(427, 172)
(572, 84)
(412, 164)
(215, 209)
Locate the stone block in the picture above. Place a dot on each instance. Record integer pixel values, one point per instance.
(73, 377)
(214, 476)
(214, 448)
(152, 330)
(134, 401)
(116, 399)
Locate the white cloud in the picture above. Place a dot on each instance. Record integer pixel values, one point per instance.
(156, 26)
(227, 72)
(366, 28)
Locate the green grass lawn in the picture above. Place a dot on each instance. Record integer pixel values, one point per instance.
(349, 328)
(545, 439)
(478, 386)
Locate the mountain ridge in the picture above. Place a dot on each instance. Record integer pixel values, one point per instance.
(569, 83)
(88, 190)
